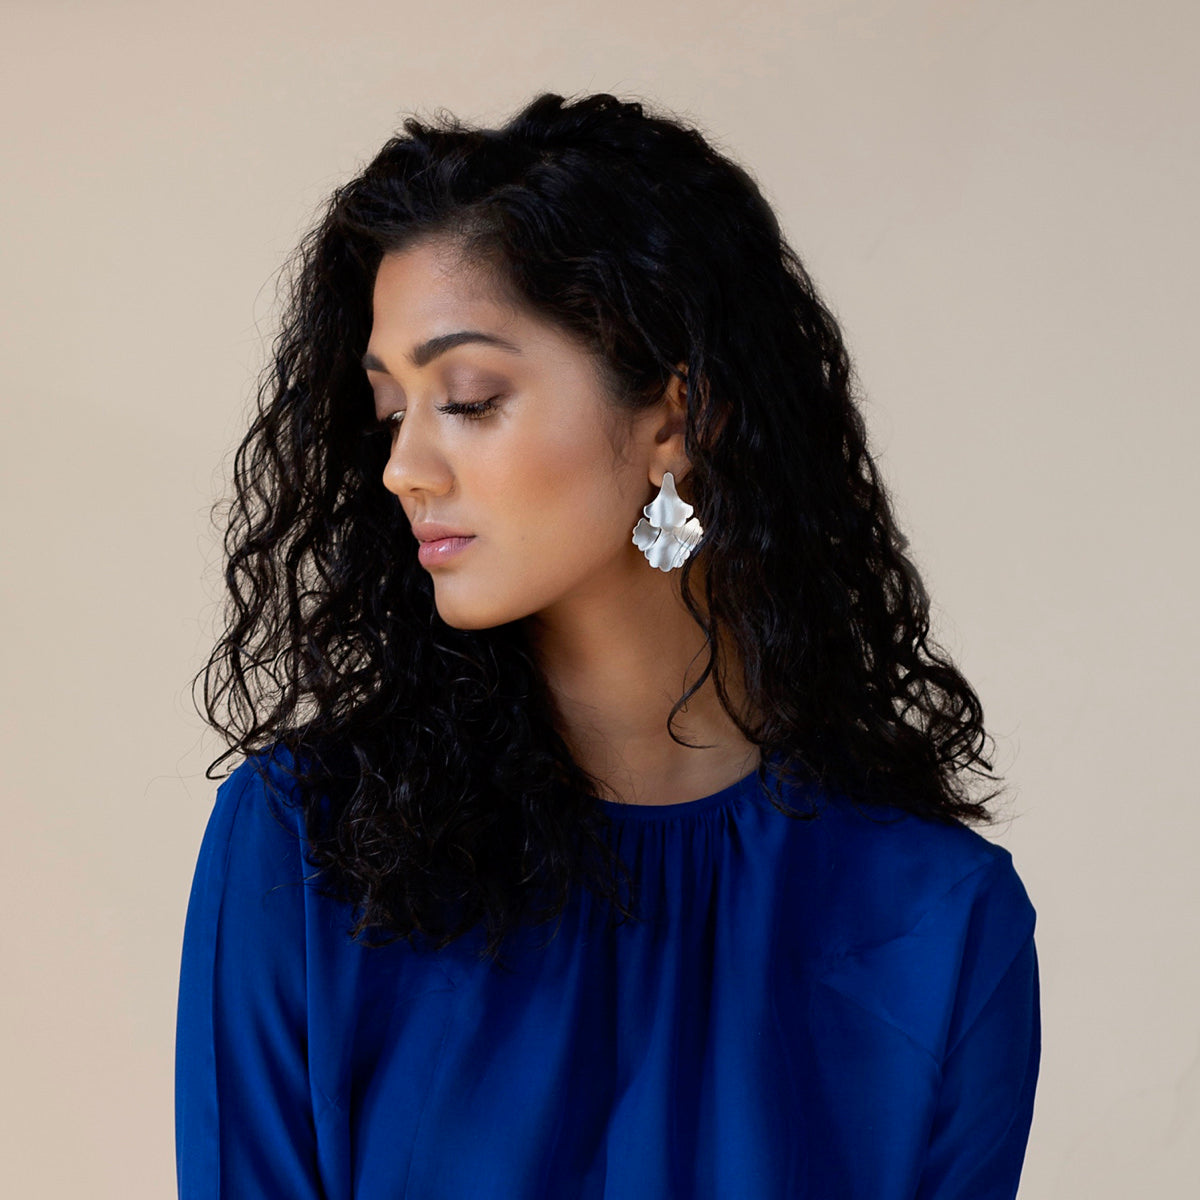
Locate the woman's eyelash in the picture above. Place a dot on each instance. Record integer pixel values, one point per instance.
(471, 412)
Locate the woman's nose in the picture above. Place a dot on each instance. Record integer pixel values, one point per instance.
(416, 462)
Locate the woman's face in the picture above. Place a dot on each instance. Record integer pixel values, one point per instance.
(533, 477)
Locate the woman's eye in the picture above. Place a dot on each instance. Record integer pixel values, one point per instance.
(471, 412)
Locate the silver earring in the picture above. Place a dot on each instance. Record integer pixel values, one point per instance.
(671, 533)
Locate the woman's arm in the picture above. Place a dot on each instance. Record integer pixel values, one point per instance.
(243, 1114)
(985, 1107)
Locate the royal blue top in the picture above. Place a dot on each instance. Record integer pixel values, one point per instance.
(846, 1007)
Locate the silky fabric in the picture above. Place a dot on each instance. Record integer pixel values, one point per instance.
(842, 1008)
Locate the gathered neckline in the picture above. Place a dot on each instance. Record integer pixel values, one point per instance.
(684, 808)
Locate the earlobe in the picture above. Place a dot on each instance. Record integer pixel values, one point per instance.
(675, 396)
(671, 434)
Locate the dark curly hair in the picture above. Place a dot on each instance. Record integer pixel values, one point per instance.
(437, 789)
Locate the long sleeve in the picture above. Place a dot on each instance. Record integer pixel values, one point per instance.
(243, 1115)
(989, 1075)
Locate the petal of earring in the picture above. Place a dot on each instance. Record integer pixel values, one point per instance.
(668, 533)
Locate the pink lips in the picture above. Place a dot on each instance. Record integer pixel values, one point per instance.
(437, 552)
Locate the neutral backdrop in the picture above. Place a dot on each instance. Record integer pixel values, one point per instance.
(998, 199)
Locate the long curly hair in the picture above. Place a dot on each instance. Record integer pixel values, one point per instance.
(438, 792)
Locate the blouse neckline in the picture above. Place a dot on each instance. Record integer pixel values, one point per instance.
(685, 808)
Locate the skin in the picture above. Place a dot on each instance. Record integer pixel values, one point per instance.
(551, 482)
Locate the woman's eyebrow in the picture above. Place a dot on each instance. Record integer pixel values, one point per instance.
(426, 352)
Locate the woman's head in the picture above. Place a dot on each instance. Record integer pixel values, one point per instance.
(508, 429)
(615, 240)
(663, 323)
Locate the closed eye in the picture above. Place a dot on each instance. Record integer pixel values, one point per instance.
(470, 412)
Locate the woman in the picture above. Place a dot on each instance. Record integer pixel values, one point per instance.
(603, 828)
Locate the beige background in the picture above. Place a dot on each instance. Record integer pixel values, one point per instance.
(999, 200)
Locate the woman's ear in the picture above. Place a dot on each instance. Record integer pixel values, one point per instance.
(669, 452)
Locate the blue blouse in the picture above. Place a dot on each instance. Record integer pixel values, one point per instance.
(838, 1009)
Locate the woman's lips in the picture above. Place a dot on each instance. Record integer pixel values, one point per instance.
(436, 552)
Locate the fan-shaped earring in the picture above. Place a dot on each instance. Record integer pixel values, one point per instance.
(668, 533)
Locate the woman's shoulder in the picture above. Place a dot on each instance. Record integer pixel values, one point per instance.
(254, 833)
(907, 854)
(261, 781)
(886, 876)
(914, 909)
